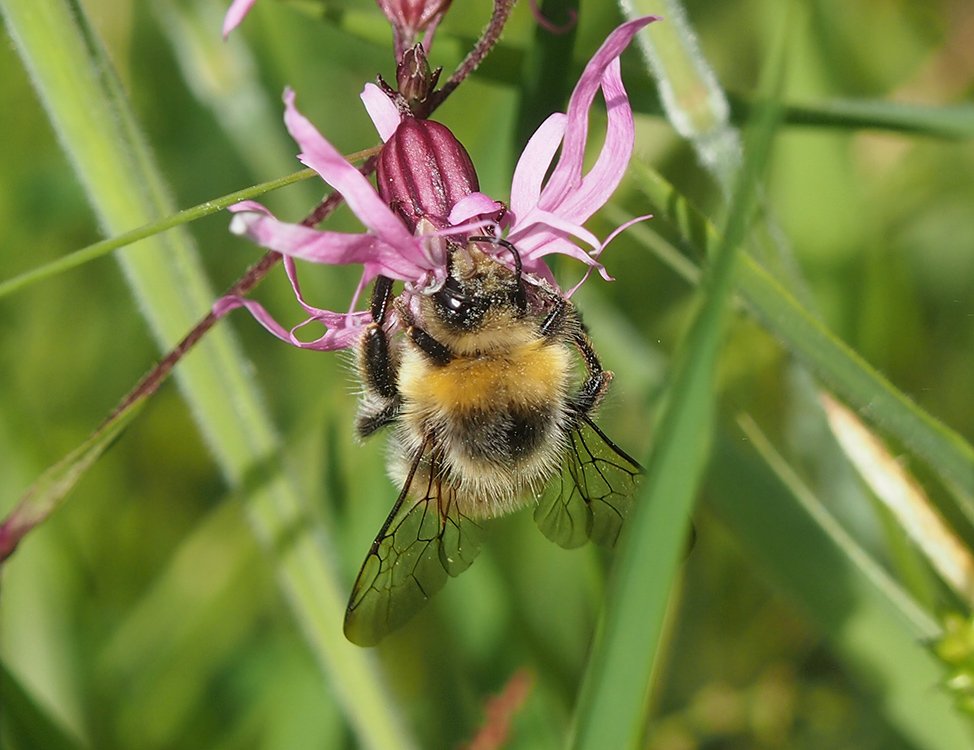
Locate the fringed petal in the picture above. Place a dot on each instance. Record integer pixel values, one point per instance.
(534, 163)
(235, 14)
(567, 174)
(472, 206)
(598, 185)
(383, 112)
(322, 246)
(357, 191)
(343, 329)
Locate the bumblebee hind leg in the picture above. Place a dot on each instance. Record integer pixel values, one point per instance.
(378, 367)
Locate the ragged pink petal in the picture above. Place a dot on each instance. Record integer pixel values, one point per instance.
(321, 156)
(601, 181)
(383, 112)
(331, 248)
(235, 14)
(548, 212)
(534, 162)
(567, 174)
(473, 206)
(342, 330)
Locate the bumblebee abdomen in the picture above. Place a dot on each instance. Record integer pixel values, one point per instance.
(502, 438)
(499, 420)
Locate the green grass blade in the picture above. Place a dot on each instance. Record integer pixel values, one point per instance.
(613, 698)
(692, 99)
(840, 368)
(880, 632)
(89, 112)
(904, 498)
(946, 121)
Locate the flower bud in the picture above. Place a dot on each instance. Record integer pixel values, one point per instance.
(423, 171)
(415, 79)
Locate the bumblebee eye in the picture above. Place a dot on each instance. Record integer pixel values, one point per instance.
(454, 303)
(458, 308)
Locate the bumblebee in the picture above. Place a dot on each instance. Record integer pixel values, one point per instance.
(489, 396)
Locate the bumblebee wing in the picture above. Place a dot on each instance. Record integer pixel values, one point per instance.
(593, 493)
(424, 540)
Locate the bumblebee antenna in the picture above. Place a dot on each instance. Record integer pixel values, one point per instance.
(520, 298)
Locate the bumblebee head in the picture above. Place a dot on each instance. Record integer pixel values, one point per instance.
(480, 292)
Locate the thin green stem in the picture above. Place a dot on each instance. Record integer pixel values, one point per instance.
(104, 247)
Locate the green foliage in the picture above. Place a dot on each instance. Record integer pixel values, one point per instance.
(955, 647)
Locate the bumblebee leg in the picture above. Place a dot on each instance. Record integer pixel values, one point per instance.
(381, 295)
(555, 319)
(595, 385)
(379, 404)
(433, 349)
(562, 322)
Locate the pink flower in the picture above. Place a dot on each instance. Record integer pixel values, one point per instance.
(546, 215)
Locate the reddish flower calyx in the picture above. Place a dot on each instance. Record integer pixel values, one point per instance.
(424, 171)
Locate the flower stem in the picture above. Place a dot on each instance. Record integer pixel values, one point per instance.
(490, 37)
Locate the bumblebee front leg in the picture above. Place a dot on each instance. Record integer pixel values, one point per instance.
(433, 349)
(379, 368)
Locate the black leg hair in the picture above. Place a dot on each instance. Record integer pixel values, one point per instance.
(368, 421)
(376, 363)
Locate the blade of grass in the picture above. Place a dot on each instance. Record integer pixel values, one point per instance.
(945, 121)
(91, 116)
(615, 690)
(697, 108)
(875, 626)
(693, 101)
(904, 498)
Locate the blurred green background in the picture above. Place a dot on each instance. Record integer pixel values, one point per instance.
(145, 614)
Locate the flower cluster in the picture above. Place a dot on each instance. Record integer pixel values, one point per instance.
(428, 192)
